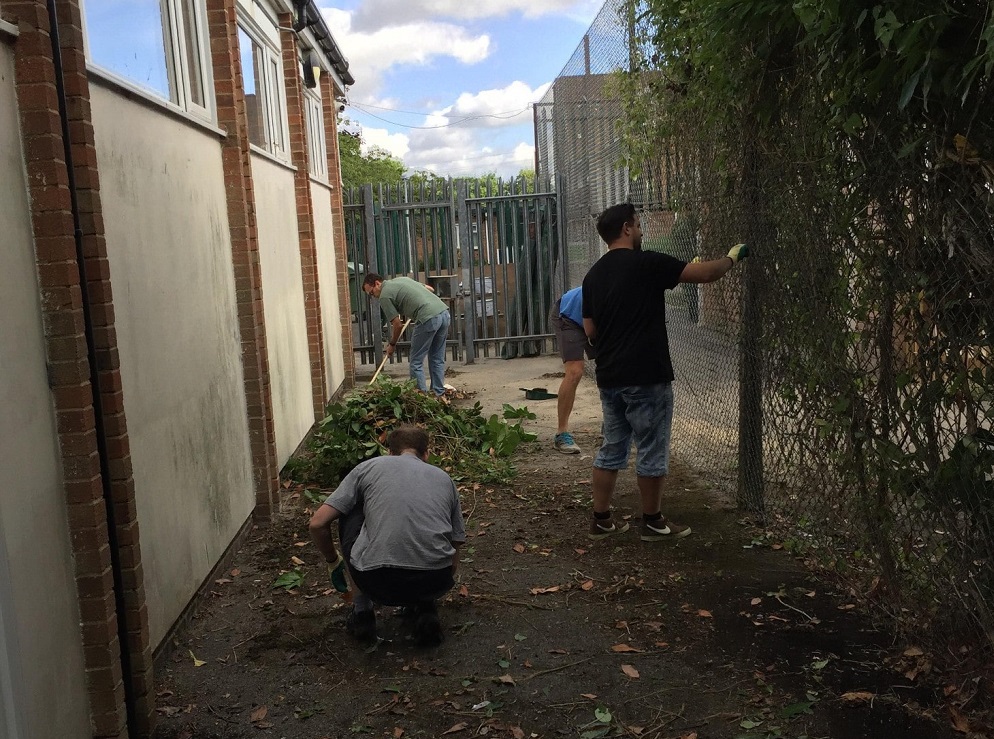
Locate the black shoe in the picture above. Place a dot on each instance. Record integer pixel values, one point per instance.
(361, 625)
(427, 626)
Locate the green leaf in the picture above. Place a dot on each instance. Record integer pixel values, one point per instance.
(749, 724)
(796, 709)
(595, 733)
(289, 580)
(603, 715)
(503, 663)
(520, 637)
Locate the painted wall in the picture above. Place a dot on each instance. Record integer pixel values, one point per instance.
(42, 682)
(328, 280)
(169, 250)
(283, 296)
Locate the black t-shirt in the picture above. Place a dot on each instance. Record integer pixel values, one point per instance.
(623, 295)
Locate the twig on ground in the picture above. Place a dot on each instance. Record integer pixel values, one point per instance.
(788, 605)
(554, 669)
(484, 596)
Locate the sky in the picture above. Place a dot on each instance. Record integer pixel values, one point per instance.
(447, 85)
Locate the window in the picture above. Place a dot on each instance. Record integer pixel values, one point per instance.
(264, 94)
(158, 45)
(317, 152)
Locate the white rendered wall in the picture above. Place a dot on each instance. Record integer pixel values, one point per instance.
(283, 300)
(42, 679)
(169, 249)
(328, 280)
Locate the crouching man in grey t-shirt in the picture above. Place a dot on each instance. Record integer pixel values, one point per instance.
(400, 527)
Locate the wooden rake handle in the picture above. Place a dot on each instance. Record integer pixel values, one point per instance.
(387, 356)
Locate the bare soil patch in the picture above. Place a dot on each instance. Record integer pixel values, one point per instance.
(719, 635)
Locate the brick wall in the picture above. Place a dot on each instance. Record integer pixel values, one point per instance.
(299, 155)
(235, 153)
(63, 315)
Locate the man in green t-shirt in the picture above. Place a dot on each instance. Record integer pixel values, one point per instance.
(402, 296)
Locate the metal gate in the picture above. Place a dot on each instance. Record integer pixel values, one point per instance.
(492, 250)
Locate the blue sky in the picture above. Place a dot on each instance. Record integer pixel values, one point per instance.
(447, 85)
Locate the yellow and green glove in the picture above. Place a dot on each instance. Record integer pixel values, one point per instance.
(737, 252)
(336, 573)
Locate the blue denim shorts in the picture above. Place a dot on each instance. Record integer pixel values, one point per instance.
(643, 413)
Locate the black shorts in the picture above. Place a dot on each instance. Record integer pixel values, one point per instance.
(396, 586)
(571, 338)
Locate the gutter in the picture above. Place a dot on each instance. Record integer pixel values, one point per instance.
(91, 355)
(308, 15)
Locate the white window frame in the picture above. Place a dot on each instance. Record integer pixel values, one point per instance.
(271, 88)
(317, 145)
(174, 39)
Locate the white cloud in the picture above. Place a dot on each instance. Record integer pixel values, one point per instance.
(370, 53)
(507, 106)
(395, 143)
(373, 14)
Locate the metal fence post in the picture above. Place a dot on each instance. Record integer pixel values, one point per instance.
(466, 260)
(750, 483)
(375, 317)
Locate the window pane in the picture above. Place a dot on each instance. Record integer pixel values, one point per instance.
(250, 53)
(128, 38)
(194, 68)
(278, 139)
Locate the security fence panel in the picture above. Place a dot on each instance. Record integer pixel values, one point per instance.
(490, 249)
(839, 383)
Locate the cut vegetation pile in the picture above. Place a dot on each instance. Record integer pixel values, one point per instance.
(464, 443)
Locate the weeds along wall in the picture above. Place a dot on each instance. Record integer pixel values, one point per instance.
(839, 382)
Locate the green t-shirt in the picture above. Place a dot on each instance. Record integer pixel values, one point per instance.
(402, 296)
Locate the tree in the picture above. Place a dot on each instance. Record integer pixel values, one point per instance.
(373, 167)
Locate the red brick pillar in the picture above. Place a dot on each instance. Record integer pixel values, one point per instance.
(305, 213)
(328, 93)
(63, 315)
(235, 155)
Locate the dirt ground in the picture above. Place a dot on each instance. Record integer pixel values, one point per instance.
(722, 634)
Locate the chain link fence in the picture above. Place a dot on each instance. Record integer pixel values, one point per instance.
(839, 384)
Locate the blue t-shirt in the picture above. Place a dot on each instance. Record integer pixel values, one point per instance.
(571, 305)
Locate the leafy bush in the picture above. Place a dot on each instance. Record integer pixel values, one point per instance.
(462, 441)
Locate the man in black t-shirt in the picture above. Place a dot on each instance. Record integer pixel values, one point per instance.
(624, 316)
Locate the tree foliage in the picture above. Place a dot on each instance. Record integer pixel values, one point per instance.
(375, 166)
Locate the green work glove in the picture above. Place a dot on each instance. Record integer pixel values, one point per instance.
(737, 252)
(336, 573)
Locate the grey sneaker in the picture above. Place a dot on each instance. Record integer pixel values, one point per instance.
(601, 528)
(663, 529)
(564, 442)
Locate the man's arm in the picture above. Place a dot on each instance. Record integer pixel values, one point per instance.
(455, 555)
(714, 269)
(320, 528)
(589, 329)
(397, 326)
(704, 272)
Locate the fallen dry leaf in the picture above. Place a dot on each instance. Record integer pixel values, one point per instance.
(258, 714)
(558, 651)
(236, 572)
(691, 735)
(540, 591)
(297, 560)
(517, 732)
(456, 727)
(624, 648)
(654, 625)
(704, 614)
(755, 601)
(589, 696)
(222, 581)
(463, 591)
(858, 695)
(913, 652)
(580, 551)
(588, 585)
(397, 732)
(506, 680)
(959, 721)
(630, 671)
(196, 662)
(519, 548)
(621, 625)
(300, 543)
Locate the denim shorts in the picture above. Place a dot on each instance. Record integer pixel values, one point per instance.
(643, 413)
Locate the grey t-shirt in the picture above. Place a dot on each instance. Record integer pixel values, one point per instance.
(412, 513)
